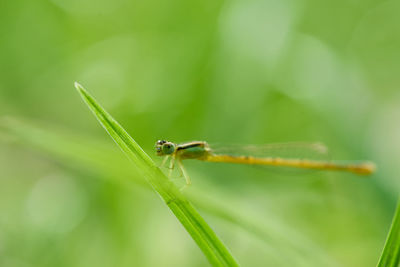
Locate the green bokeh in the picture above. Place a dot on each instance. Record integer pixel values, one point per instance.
(241, 72)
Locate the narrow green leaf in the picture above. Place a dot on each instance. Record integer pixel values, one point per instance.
(391, 252)
(200, 231)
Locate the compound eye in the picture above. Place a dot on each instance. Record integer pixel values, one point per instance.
(168, 148)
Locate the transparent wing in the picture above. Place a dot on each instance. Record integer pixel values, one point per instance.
(296, 150)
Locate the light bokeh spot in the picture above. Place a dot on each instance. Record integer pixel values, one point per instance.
(56, 204)
(257, 29)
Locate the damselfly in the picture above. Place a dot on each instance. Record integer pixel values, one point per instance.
(200, 150)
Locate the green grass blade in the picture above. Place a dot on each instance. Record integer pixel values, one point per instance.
(203, 235)
(391, 252)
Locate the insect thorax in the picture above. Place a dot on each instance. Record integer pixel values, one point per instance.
(193, 150)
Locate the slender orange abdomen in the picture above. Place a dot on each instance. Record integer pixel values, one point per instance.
(363, 168)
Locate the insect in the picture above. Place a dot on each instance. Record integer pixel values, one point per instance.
(200, 150)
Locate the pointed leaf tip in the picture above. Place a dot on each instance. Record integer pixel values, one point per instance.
(78, 86)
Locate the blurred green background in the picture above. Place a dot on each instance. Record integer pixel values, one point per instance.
(243, 72)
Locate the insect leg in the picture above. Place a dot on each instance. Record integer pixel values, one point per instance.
(171, 166)
(187, 178)
(164, 161)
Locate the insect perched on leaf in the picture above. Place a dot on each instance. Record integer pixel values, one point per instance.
(255, 155)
